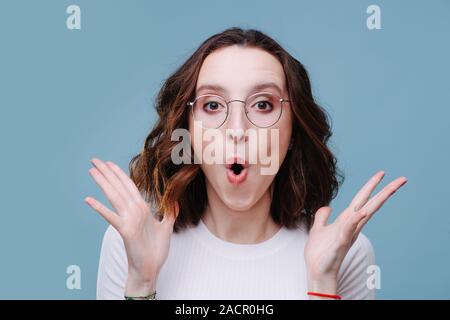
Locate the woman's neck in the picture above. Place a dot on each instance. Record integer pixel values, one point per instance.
(248, 226)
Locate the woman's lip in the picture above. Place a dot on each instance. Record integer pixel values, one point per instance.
(232, 160)
(239, 178)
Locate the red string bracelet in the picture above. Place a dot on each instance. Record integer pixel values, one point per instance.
(325, 295)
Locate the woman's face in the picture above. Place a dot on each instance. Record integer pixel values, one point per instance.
(237, 70)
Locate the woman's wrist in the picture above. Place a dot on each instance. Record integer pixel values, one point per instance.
(325, 284)
(137, 286)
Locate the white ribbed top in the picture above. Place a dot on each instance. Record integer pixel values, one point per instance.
(241, 251)
(201, 265)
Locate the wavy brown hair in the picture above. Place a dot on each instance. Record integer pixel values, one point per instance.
(308, 177)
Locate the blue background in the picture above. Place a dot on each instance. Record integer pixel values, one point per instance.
(69, 95)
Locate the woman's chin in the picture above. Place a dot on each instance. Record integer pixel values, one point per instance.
(238, 202)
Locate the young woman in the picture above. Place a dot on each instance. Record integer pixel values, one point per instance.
(225, 230)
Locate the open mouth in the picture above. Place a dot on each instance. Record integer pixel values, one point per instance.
(237, 168)
(237, 171)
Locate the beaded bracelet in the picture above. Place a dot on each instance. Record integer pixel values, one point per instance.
(149, 297)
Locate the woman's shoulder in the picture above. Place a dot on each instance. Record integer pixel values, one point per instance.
(112, 236)
(362, 248)
(113, 266)
(113, 246)
(357, 270)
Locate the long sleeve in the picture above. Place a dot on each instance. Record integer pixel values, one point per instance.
(113, 267)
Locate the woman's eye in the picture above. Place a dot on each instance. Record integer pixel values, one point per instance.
(212, 106)
(263, 106)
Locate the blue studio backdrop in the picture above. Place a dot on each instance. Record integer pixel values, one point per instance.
(68, 94)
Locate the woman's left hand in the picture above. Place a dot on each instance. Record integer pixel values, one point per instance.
(328, 244)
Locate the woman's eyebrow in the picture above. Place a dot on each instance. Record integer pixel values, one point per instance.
(211, 87)
(257, 87)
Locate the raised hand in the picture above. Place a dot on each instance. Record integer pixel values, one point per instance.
(328, 244)
(146, 239)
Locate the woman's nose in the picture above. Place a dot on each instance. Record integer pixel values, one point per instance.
(237, 120)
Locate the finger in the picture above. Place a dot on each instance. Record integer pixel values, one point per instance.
(363, 195)
(107, 214)
(111, 193)
(378, 200)
(351, 224)
(111, 177)
(322, 215)
(125, 179)
(377, 203)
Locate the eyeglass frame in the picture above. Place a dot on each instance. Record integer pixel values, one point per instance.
(280, 99)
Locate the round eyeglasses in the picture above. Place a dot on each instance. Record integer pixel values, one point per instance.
(263, 109)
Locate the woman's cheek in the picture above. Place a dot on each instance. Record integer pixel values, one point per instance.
(197, 144)
(282, 145)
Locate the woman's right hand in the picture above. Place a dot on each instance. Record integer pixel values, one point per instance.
(146, 239)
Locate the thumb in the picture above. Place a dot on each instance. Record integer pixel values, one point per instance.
(322, 215)
(171, 216)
